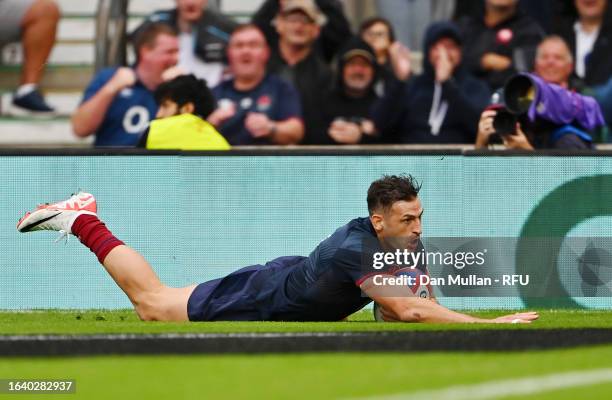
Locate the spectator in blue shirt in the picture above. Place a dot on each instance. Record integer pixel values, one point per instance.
(119, 103)
(255, 107)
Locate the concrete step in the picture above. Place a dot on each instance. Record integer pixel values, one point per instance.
(240, 7)
(89, 7)
(65, 103)
(84, 29)
(59, 78)
(145, 7)
(62, 54)
(76, 30)
(28, 132)
(72, 29)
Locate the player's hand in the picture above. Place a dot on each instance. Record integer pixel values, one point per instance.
(400, 60)
(258, 124)
(345, 132)
(123, 77)
(495, 62)
(518, 141)
(225, 111)
(387, 315)
(518, 318)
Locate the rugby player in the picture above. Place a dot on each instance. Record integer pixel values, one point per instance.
(328, 285)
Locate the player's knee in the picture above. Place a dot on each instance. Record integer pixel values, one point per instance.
(146, 312)
(147, 308)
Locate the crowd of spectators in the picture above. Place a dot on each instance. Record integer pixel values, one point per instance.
(442, 104)
(299, 73)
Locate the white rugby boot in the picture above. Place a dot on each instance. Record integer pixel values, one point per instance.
(58, 216)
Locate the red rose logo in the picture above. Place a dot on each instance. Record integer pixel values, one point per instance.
(504, 36)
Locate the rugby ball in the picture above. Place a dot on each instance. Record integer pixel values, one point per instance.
(418, 289)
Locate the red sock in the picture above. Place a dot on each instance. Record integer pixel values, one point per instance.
(93, 233)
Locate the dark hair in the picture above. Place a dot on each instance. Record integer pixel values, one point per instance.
(147, 35)
(367, 24)
(389, 189)
(187, 89)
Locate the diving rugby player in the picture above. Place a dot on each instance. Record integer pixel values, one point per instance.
(328, 285)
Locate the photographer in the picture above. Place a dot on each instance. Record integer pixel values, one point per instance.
(554, 65)
(516, 141)
(566, 137)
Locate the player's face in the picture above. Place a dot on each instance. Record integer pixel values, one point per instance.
(163, 55)
(401, 226)
(191, 10)
(358, 73)
(297, 29)
(247, 53)
(553, 62)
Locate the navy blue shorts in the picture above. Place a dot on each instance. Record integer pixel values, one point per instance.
(253, 293)
(225, 299)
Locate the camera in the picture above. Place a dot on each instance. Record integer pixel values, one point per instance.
(527, 97)
(504, 121)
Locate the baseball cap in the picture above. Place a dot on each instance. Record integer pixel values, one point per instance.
(358, 52)
(357, 47)
(308, 7)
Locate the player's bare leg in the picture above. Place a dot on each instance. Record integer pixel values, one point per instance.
(152, 299)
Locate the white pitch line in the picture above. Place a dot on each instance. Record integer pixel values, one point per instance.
(506, 387)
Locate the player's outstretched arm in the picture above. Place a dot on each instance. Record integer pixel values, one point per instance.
(415, 309)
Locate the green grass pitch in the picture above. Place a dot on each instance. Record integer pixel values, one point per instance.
(126, 321)
(294, 376)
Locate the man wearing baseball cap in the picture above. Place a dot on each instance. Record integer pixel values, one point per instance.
(333, 33)
(347, 106)
(298, 24)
